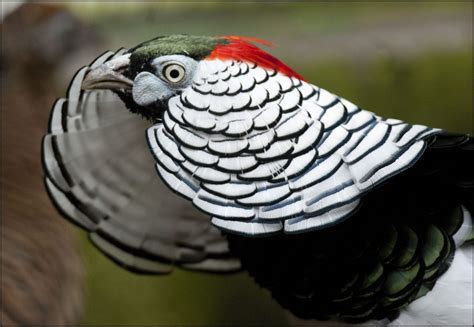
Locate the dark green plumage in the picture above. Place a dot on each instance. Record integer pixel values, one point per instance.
(196, 47)
(388, 254)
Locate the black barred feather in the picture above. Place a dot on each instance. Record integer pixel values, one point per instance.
(389, 253)
(100, 175)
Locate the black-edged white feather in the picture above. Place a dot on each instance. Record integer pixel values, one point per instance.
(101, 175)
(309, 154)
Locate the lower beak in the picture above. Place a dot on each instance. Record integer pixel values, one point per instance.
(109, 75)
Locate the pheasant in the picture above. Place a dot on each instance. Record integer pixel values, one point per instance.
(339, 213)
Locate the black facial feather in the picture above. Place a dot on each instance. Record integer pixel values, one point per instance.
(153, 112)
(138, 66)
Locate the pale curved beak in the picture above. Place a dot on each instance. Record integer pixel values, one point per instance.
(109, 75)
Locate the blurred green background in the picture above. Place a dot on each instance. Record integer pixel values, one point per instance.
(411, 61)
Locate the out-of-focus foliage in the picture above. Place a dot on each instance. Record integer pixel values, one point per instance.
(115, 296)
(434, 89)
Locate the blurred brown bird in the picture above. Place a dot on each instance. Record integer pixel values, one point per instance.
(42, 276)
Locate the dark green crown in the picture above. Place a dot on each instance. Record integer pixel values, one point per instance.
(197, 47)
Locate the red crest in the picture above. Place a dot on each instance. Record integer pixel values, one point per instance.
(243, 48)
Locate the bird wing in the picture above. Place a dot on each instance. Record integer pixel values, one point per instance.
(100, 175)
(262, 152)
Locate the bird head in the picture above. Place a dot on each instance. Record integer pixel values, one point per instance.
(148, 75)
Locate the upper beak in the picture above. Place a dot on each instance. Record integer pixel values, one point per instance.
(109, 75)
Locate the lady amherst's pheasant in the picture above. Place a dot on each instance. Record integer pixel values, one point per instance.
(339, 213)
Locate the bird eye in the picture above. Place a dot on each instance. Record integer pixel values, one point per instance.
(174, 73)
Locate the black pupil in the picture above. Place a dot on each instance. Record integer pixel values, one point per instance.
(174, 73)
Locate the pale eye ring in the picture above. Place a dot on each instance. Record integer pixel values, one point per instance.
(174, 73)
